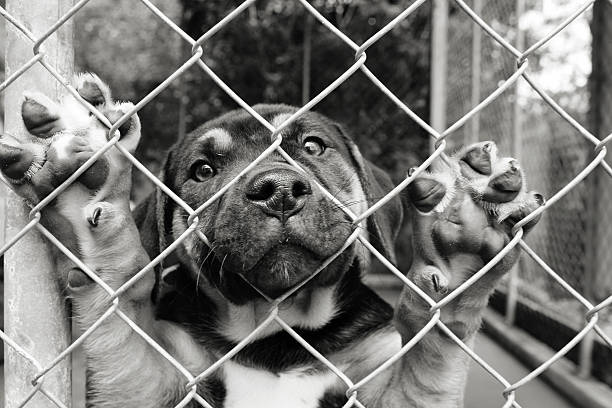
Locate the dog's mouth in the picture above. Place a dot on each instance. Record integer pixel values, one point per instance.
(281, 268)
(273, 271)
(271, 255)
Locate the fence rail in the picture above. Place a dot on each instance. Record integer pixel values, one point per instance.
(42, 369)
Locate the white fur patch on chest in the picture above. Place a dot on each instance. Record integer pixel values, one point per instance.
(251, 388)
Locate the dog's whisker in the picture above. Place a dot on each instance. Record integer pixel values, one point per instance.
(344, 184)
(198, 275)
(286, 273)
(221, 274)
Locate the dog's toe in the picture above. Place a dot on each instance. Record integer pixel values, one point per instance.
(93, 89)
(425, 193)
(477, 158)
(41, 115)
(15, 161)
(531, 202)
(505, 186)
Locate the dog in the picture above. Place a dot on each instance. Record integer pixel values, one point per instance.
(263, 278)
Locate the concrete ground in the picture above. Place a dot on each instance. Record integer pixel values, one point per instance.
(483, 391)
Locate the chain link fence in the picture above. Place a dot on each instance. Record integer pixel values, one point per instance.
(555, 258)
(572, 238)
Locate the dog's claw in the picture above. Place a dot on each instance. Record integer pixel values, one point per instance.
(539, 198)
(94, 217)
(439, 286)
(436, 282)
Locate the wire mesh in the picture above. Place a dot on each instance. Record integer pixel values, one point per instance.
(496, 39)
(572, 237)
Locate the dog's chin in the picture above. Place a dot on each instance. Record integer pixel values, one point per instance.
(275, 273)
(281, 268)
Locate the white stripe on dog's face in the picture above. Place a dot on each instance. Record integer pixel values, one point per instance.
(221, 137)
(279, 120)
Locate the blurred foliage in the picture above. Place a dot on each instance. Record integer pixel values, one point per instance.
(260, 55)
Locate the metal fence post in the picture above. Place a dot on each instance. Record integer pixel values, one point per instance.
(517, 131)
(35, 311)
(599, 228)
(473, 135)
(306, 60)
(439, 59)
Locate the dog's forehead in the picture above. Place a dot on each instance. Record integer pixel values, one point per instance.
(218, 139)
(236, 130)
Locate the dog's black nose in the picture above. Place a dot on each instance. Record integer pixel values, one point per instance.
(280, 193)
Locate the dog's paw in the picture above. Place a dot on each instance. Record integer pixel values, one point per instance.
(497, 183)
(61, 137)
(465, 211)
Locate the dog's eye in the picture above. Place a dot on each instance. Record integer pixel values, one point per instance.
(314, 146)
(201, 171)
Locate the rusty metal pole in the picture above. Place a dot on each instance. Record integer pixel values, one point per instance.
(35, 311)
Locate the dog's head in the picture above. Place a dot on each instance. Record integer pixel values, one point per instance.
(274, 226)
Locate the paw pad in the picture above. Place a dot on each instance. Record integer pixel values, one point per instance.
(19, 162)
(65, 135)
(426, 193)
(41, 115)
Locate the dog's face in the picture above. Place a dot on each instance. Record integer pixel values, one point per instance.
(273, 227)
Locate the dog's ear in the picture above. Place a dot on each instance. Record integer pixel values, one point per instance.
(154, 216)
(384, 224)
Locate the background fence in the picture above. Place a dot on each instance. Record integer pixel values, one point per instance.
(574, 236)
(486, 61)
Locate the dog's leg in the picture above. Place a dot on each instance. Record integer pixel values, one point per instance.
(463, 217)
(123, 369)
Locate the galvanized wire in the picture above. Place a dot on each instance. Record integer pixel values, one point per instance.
(276, 137)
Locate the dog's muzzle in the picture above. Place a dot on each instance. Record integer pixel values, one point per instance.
(280, 193)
